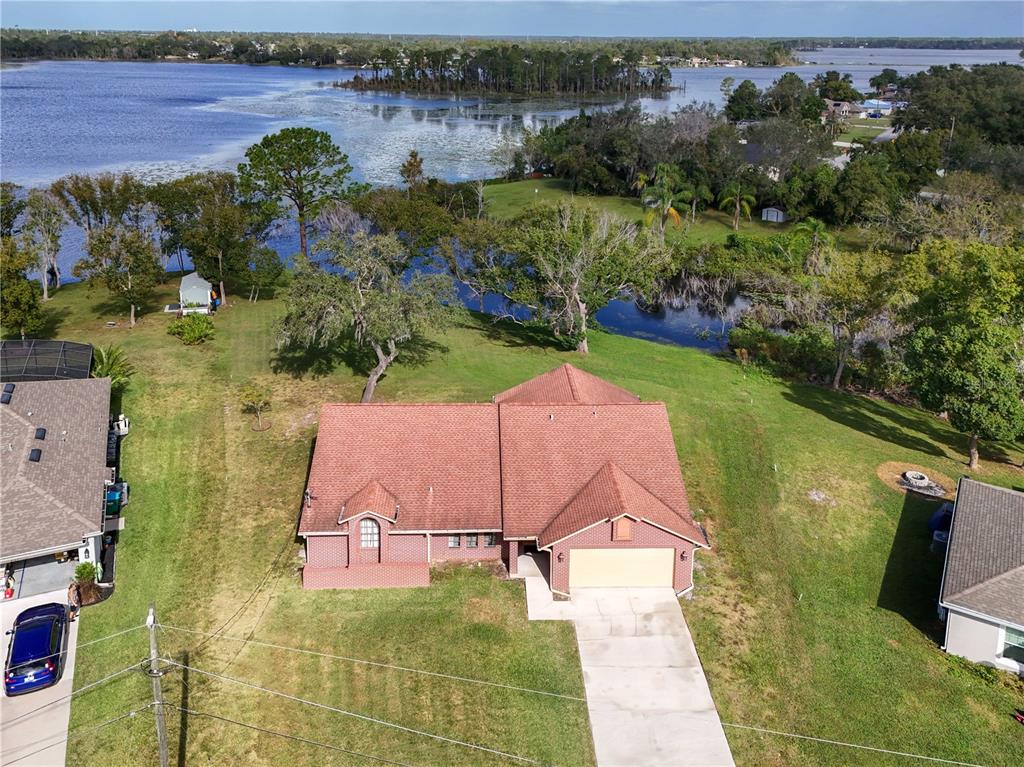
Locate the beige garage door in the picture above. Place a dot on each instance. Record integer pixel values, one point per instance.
(620, 567)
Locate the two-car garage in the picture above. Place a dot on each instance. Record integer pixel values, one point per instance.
(621, 567)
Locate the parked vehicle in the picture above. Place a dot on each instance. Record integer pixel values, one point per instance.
(36, 655)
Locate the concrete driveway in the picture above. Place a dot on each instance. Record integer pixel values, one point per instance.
(49, 726)
(648, 699)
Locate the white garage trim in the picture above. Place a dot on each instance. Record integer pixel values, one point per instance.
(621, 567)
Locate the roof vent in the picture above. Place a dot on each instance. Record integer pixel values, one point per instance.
(40, 433)
(8, 388)
(551, 416)
(35, 454)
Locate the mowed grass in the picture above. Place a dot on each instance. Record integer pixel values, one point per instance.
(810, 617)
(210, 539)
(505, 200)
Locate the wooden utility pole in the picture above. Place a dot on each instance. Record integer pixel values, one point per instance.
(155, 672)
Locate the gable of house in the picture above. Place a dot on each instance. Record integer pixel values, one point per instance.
(566, 384)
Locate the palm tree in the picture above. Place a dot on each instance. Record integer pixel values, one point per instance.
(640, 182)
(111, 362)
(661, 199)
(695, 193)
(821, 243)
(739, 198)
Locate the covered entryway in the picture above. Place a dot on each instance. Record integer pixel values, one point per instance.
(620, 568)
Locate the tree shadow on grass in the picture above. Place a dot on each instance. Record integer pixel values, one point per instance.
(299, 361)
(867, 416)
(913, 573)
(515, 335)
(53, 320)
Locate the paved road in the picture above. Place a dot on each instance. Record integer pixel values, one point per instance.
(45, 729)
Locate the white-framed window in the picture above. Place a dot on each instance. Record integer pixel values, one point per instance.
(471, 541)
(1013, 644)
(369, 534)
(454, 541)
(490, 540)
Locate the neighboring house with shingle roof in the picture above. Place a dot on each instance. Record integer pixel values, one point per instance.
(983, 580)
(53, 452)
(566, 463)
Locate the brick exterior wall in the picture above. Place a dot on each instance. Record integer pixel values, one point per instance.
(600, 537)
(439, 551)
(512, 558)
(340, 561)
(327, 551)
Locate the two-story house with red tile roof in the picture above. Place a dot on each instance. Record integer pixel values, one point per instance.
(566, 463)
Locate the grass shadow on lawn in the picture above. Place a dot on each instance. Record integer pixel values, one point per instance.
(873, 418)
(913, 573)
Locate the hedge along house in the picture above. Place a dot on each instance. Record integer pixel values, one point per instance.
(564, 463)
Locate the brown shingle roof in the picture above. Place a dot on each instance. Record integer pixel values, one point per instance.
(373, 497)
(440, 463)
(59, 500)
(566, 384)
(609, 494)
(549, 452)
(511, 466)
(985, 557)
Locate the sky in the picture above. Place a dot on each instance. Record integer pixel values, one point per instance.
(585, 18)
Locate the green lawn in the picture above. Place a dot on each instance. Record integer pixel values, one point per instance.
(505, 200)
(810, 617)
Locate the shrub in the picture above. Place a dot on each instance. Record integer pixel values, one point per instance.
(806, 352)
(85, 573)
(192, 329)
(112, 362)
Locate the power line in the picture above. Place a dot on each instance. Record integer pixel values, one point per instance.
(852, 745)
(378, 664)
(355, 715)
(78, 733)
(289, 736)
(76, 692)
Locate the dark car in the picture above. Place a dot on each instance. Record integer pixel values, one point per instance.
(35, 657)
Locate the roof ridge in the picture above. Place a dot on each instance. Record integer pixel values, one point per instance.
(987, 581)
(570, 371)
(615, 470)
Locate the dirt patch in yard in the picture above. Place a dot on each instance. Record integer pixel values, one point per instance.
(890, 473)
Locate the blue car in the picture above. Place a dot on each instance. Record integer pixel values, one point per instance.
(35, 657)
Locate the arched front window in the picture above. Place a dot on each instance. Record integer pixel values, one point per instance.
(369, 534)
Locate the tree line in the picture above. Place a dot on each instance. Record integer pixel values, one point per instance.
(324, 49)
(512, 68)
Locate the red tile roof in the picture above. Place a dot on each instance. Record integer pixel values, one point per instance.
(566, 384)
(558, 464)
(612, 493)
(548, 453)
(440, 463)
(373, 497)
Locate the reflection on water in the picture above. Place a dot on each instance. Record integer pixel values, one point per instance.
(164, 119)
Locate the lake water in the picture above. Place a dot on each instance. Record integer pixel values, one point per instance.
(163, 119)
